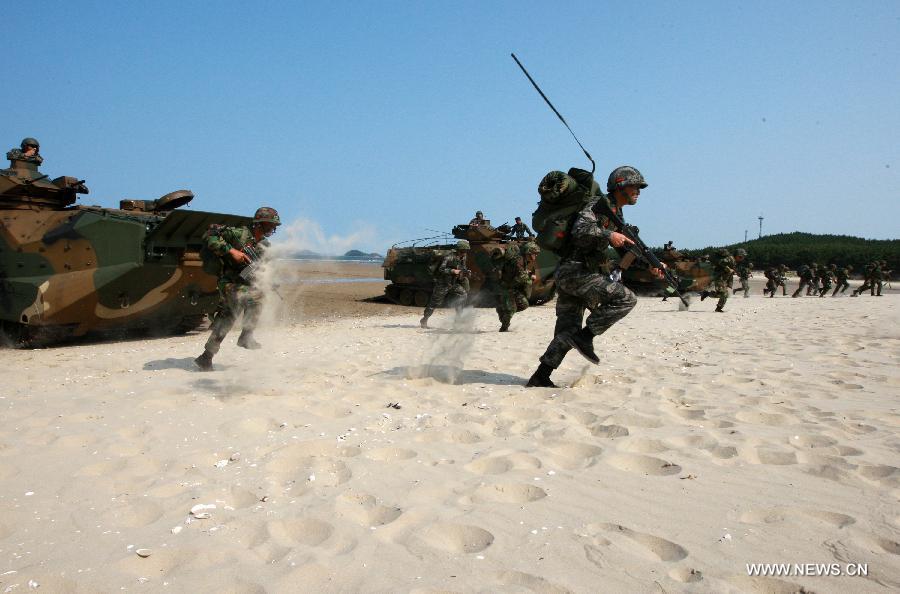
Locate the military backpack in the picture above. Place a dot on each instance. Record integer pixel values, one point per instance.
(563, 195)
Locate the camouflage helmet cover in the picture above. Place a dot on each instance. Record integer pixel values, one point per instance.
(26, 142)
(266, 214)
(478, 213)
(462, 245)
(740, 252)
(531, 248)
(626, 175)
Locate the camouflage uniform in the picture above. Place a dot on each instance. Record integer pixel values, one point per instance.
(511, 284)
(815, 276)
(236, 295)
(18, 154)
(826, 278)
(723, 270)
(868, 281)
(583, 282)
(806, 275)
(771, 281)
(842, 275)
(781, 279)
(448, 284)
(743, 268)
(520, 229)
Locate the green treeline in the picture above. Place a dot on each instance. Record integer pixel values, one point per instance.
(794, 249)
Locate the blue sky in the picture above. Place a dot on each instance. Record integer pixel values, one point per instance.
(374, 121)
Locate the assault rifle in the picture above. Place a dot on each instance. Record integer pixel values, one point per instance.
(249, 272)
(640, 249)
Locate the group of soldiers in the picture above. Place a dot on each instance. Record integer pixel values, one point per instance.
(508, 279)
(817, 281)
(517, 230)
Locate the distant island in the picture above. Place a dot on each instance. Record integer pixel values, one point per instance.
(352, 255)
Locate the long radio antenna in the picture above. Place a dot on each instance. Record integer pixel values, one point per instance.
(559, 115)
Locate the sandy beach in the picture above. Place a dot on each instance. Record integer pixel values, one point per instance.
(357, 452)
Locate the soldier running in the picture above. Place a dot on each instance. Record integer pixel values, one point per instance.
(743, 268)
(236, 248)
(842, 276)
(585, 279)
(723, 270)
(451, 280)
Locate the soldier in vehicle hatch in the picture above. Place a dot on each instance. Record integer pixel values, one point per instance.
(28, 152)
(238, 248)
(479, 220)
(520, 229)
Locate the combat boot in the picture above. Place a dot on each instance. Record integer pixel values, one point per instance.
(720, 310)
(541, 378)
(583, 342)
(424, 322)
(204, 361)
(246, 341)
(504, 327)
(704, 295)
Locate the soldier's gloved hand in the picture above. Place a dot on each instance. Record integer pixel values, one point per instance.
(239, 256)
(657, 272)
(617, 239)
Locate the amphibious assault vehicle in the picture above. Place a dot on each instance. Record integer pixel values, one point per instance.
(68, 269)
(410, 266)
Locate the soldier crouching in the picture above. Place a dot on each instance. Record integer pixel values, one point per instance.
(238, 293)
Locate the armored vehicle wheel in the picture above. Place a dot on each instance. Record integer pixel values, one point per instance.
(406, 297)
(422, 298)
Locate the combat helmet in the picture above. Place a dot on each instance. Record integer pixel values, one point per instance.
(26, 142)
(531, 248)
(266, 214)
(626, 175)
(462, 245)
(741, 252)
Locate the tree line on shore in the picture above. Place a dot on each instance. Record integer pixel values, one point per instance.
(795, 249)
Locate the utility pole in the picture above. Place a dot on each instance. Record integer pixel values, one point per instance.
(760, 217)
(745, 236)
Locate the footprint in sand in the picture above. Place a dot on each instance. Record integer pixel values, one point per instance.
(760, 585)
(768, 455)
(365, 510)
(508, 493)
(642, 464)
(685, 575)
(499, 464)
(389, 454)
(518, 580)
(762, 418)
(573, 455)
(161, 563)
(644, 544)
(132, 513)
(316, 471)
(457, 538)
(881, 474)
(640, 445)
(805, 442)
(777, 515)
(305, 531)
(449, 436)
(609, 431)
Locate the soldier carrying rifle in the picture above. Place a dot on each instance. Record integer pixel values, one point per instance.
(239, 250)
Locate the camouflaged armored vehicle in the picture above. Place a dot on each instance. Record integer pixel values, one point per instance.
(411, 268)
(68, 269)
